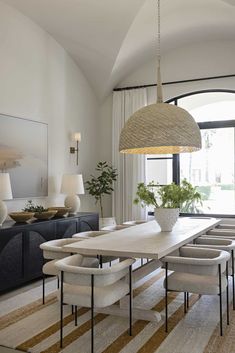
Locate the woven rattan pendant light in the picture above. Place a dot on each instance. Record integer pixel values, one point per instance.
(160, 128)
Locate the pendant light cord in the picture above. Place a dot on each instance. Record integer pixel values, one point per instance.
(159, 81)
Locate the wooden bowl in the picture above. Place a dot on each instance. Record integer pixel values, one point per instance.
(61, 211)
(45, 214)
(21, 217)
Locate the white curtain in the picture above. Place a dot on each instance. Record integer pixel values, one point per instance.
(130, 168)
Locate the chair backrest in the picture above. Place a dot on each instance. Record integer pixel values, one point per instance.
(90, 234)
(216, 243)
(204, 261)
(53, 249)
(133, 223)
(226, 226)
(74, 274)
(117, 227)
(197, 260)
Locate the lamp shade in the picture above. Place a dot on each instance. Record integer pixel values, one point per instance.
(160, 128)
(77, 136)
(72, 184)
(5, 187)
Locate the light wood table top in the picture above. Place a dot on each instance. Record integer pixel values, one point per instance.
(144, 240)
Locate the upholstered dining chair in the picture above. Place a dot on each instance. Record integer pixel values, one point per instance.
(53, 250)
(221, 232)
(116, 227)
(226, 226)
(93, 234)
(200, 271)
(93, 287)
(228, 245)
(134, 223)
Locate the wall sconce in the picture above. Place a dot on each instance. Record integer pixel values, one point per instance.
(77, 138)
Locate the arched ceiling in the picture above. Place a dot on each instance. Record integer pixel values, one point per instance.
(109, 38)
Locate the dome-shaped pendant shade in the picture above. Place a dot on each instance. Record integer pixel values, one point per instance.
(160, 128)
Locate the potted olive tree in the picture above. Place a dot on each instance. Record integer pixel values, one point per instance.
(101, 185)
(168, 201)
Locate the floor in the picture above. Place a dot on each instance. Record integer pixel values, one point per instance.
(8, 350)
(190, 335)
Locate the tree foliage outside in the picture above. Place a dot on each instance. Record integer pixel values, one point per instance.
(183, 196)
(102, 184)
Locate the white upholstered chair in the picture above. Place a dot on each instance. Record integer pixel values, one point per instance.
(220, 232)
(93, 234)
(218, 243)
(53, 251)
(226, 226)
(93, 287)
(200, 271)
(134, 223)
(117, 227)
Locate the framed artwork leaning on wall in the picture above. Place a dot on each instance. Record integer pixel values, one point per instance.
(24, 155)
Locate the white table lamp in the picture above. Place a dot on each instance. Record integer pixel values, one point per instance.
(5, 194)
(72, 185)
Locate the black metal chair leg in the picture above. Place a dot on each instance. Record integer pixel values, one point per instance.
(72, 310)
(43, 288)
(227, 293)
(130, 300)
(220, 302)
(185, 303)
(76, 315)
(141, 261)
(58, 282)
(187, 300)
(166, 290)
(92, 313)
(61, 309)
(101, 261)
(233, 285)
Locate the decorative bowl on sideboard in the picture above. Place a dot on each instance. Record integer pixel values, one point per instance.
(61, 211)
(21, 217)
(45, 214)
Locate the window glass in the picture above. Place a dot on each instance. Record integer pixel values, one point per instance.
(159, 171)
(212, 170)
(211, 106)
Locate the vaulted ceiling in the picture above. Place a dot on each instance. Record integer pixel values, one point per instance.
(109, 38)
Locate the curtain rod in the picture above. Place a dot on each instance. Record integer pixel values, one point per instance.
(174, 82)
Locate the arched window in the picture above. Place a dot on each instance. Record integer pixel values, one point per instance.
(212, 169)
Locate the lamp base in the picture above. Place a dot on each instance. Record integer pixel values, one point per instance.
(72, 201)
(3, 212)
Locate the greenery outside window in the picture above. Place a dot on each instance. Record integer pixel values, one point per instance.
(212, 168)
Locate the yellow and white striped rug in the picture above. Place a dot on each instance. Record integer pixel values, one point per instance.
(29, 326)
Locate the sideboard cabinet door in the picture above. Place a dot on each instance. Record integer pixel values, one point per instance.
(37, 234)
(11, 259)
(89, 223)
(66, 227)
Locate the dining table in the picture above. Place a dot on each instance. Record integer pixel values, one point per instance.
(143, 241)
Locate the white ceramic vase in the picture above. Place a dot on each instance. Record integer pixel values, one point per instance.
(166, 218)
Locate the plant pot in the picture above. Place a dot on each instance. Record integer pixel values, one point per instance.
(166, 218)
(106, 222)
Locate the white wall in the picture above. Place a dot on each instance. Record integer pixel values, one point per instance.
(39, 81)
(214, 58)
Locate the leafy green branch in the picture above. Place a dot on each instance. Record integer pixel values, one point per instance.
(101, 185)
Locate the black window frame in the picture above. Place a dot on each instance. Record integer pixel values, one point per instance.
(202, 125)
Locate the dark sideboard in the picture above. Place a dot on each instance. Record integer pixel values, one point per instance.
(21, 258)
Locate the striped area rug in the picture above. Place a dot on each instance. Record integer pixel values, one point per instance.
(34, 327)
